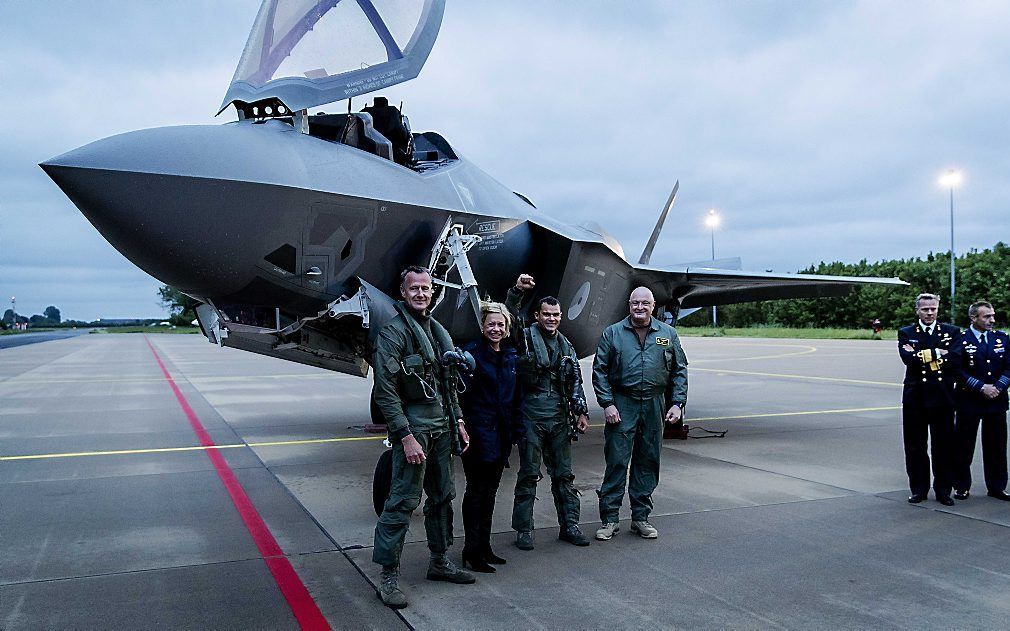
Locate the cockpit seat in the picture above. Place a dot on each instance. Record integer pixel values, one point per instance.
(388, 121)
(359, 132)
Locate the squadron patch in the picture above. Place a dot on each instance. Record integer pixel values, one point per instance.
(662, 341)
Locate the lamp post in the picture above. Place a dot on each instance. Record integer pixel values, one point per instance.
(951, 179)
(712, 220)
(14, 312)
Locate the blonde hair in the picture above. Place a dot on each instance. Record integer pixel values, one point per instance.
(487, 308)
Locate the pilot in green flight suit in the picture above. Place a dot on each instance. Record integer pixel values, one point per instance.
(545, 355)
(640, 378)
(420, 405)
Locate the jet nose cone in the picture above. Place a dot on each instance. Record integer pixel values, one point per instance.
(136, 223)
(162, 220)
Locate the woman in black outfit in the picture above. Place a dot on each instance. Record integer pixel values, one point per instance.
(493, 420)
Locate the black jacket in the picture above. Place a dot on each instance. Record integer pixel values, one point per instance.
(925, 386)
(975, 366)
(492, 403)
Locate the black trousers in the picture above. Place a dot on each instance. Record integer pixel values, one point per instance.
(937, 424)
(993, 449)
(482, 480)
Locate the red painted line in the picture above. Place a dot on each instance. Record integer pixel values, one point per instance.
(304, 608)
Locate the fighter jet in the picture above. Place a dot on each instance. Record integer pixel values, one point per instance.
(291, 228)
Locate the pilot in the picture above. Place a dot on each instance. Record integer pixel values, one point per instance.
(927, 400)
(983, 375)
(553, 410)
(417, 397)
(640, 378)
(388, 121)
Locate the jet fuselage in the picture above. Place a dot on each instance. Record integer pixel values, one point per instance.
(238, 214)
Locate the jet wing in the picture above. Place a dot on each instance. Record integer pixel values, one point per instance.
(305, 53)
(703, 287)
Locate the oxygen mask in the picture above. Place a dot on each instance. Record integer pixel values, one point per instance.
(462, 360)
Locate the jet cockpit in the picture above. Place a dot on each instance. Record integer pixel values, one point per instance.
(305, 53)
(387, 136)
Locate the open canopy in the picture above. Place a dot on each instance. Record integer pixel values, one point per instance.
(306, 53)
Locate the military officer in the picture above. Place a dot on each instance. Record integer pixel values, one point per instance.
(927, 400)
(553, 395)
(640, 378)
(983, 375)
(417, 397)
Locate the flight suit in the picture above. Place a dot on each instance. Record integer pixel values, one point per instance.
(976, 364)
(927, 406)
(547, 425)
(410, 391)
(643, 379)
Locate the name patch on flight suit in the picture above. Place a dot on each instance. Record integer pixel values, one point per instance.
(662, 341)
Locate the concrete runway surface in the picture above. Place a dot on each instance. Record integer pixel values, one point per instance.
(796, 519)
(23, 339)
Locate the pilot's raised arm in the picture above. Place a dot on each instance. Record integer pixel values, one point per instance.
(514, 300)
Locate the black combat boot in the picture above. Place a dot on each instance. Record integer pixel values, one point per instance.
(524, 540)
(573, 535)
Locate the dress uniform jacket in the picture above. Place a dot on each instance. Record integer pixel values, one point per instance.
(926, 385)
(976, 364)
(927, 402)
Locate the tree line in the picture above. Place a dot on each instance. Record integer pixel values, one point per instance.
(49, 317)
(980, 275)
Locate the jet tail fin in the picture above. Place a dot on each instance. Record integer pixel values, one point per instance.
(647, 253)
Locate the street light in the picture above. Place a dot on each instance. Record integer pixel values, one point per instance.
(951, 179)
(712, 220)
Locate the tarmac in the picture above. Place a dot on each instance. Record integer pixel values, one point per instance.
(158, 481)
(22, 339)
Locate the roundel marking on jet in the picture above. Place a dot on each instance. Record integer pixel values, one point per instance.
(579, 301)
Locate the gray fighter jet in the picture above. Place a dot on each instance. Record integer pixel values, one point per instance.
(291, 228)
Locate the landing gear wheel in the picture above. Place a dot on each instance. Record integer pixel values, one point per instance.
(382, 480)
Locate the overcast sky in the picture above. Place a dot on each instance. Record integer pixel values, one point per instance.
(817, 130)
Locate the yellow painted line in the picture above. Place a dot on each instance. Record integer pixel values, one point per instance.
(319, 441)
(692, 419)
(805, 413)
(806, 351)
(807, 377)
(314, 441)
(74, 454)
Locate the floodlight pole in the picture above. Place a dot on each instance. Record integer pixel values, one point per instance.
(952, 257)
(715, 319)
